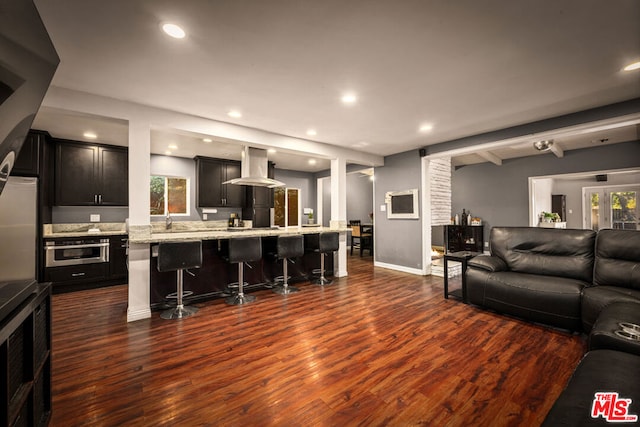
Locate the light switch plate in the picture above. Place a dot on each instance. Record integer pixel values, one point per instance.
(383, 208)
(94, 218)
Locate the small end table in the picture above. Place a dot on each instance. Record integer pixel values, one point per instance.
(462, 257)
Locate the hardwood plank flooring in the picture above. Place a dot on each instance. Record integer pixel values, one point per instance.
(378, 347)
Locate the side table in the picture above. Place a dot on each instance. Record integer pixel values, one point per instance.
(462, 257)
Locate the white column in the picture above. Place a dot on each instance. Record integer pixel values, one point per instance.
(139, 219)
(426, 201)
(339, 210)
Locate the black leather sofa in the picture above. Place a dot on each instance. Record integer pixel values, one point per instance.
(559, 277)
(581, 281)
(534, 273)
(616, 274)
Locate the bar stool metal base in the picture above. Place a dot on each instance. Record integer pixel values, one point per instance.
(285, 290)
(239, 299)
(322, 281)
(179, 312)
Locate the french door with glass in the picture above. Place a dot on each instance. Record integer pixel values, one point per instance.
(611, 207)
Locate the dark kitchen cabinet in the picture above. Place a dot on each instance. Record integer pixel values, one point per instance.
(25, 356)
(78, 276)
(89, 175)
(211, 192)
(258, 202)
(29, 161)
(118, 257)
(463, 238)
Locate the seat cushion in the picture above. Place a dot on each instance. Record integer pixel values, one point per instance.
(546, 299)
(603, 334)
(599, 371)
(596, 298)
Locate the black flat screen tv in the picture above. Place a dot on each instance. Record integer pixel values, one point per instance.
(28, 61)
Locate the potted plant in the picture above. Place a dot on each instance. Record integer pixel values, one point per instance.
(550, 217)
(311, 220)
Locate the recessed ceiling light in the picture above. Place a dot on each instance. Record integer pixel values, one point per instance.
(631, 67)
(312, 161)
(173, 147)
(271, 150)
(312, 132)
(235, 114)
(90, 135)
(426, 127)
(207, 140)
(168, 153)
(174, 31)
(349, 98)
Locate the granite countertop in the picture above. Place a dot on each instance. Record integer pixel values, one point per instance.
(180, 230)
(143, 235)
(82, 229)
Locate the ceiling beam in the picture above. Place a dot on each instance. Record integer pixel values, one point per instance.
(490, 157)
(557, 150)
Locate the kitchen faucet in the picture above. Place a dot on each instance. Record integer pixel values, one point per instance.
(168, 221)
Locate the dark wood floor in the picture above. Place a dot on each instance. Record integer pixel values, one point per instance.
(376, 348)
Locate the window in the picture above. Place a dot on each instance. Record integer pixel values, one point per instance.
(169, 195)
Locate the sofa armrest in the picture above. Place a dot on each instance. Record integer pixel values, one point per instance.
(488, 263)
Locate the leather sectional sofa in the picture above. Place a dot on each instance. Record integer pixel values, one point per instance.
(578, 280)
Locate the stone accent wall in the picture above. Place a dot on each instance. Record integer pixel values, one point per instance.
(440, 181)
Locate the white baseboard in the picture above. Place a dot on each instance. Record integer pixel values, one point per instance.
(402, 268)
(138, 313)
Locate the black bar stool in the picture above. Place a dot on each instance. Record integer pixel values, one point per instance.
(179, 256)
(242, 250)
(288, 247)
(323, 243)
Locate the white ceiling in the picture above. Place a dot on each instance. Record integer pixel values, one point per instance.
(467, 67)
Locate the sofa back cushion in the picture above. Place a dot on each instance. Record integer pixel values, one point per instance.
(617, 259)
(546, 251)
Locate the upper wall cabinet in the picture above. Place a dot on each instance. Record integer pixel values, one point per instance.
(30, 161)
(211, 173)
(90, 175)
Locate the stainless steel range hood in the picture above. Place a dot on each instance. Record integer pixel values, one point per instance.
(254, 170)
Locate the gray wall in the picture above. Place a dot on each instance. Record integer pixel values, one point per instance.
(499, 194)
(398, 241)
(80, 214)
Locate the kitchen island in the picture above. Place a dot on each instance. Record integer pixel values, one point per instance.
(213, 278)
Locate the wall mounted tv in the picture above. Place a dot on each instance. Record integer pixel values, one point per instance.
(27, 65)
(402, 204)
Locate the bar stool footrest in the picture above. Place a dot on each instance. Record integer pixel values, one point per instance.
(174, 295)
